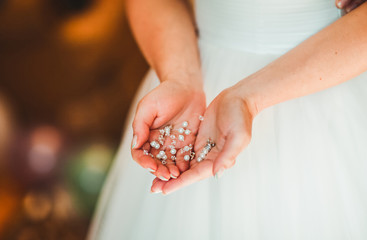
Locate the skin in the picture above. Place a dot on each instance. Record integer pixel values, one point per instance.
(348, 5)
(231, 113)
(163, 27)
(166, 34)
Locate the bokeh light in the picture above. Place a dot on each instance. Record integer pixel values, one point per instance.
(68, 72)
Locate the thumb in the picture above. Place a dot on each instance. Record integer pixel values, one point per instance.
(233, 145)
(143, 120)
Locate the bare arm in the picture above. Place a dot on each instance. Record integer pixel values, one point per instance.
(165, 32)
(330, 57)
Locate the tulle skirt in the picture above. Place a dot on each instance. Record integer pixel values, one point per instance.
(303, 176)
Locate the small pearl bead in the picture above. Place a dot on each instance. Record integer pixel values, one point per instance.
(205, 151)
(162, 153)
(164, 157)
(201, 118)
(159, 156)
(187, 131)
(187, 157)
(199, 159)
(157, 146)
(186, 148)
(181, 130)
(202, 155)
(181, 138)
(185, 124)
(153, 143)
(173, 151)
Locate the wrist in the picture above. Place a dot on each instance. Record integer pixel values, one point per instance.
(249, 96)
(190, 80)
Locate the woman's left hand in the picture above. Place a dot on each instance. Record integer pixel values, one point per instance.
(228, 123)
(348, 5)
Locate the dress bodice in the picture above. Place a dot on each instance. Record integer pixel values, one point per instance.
(269, 26)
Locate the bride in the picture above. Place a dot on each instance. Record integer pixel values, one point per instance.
(275, 74)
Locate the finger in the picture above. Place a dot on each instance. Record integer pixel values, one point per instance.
(199, 172)
(342, 3)
(352, 5)
(162, 172)
(226, 158)
(157, 186)
(171, 165)
(155, 180)
(144, 160)
(143, 120)
(181, 163)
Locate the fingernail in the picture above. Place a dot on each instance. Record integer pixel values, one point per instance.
(158, 191)
(133, 144)
(173, 176)
(151, 170)
(163, 178)
(219, 173)
(339, 4)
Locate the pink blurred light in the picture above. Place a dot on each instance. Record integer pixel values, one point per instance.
(45, 146)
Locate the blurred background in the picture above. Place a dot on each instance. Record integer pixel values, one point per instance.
(68, 72)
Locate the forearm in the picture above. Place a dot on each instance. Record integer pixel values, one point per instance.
(330, 57)
(165, 32)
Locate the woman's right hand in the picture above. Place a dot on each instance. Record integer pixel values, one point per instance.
(171, 103)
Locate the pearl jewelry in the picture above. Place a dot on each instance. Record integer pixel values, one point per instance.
(181, 138)
(164, 162)
(167, 130)
(153, 143)
(186, 148)
(209, 145)
(173, 151)
(173, 158)
(187, 131)
(185, 124)
(181, 130)
(172, 136)
(162, 153)
(164, 157)
(201, 118)
(186, 157)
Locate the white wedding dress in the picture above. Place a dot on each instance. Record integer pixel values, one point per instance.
(303, 176)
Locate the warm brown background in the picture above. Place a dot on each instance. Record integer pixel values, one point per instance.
(68, 71)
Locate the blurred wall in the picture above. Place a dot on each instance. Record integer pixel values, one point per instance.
(68, 72)
(71, 62)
